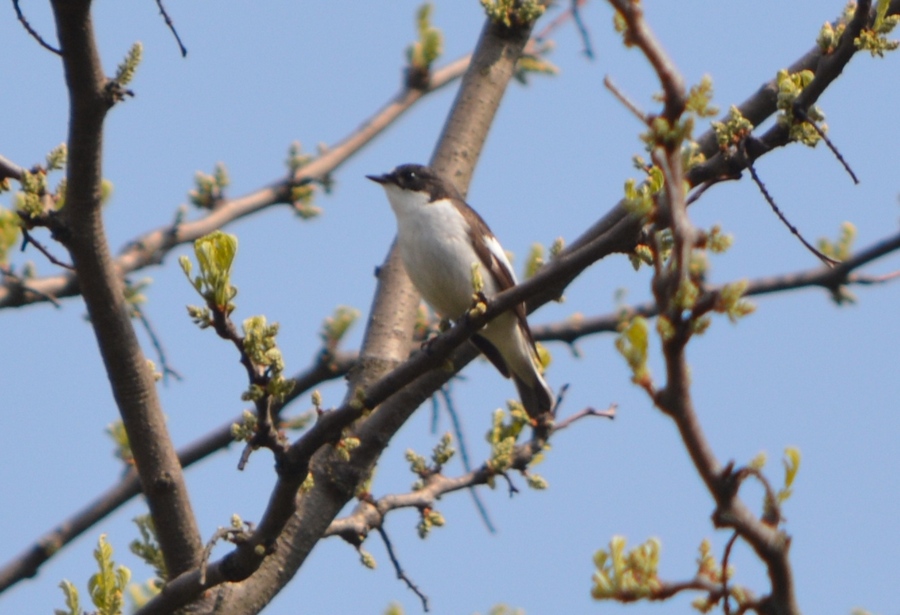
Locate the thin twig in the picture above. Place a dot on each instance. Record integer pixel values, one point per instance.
(864, 280)
(570, 330)
(371, 514)
(608, 413)
(725, 604)
(582, 29)
(32, 31)
(162, 11)
(801, 114)
(607, 81)
(558, 21)
(28, 239)
(435, 413)
(245, 457)
(513, 490)
(464, 456)
(400, 574)
(639, 33)
(762, 188)
(698, 191)
(167, 369)
(266, 434)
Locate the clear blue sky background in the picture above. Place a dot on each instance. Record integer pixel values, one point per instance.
(799, 372)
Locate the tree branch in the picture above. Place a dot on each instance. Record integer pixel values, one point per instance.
(672, 275)
(613, 233)
(386, 344)
(101, 285)
(399, 569)
(34, 34)
(757, 108)
(151, 248)
(370, 514)
(831, 279)
(27, 564)
(10, 169)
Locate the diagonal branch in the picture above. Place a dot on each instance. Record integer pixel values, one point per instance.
(386, 343)
(616, 232)
(151, 248)
(10, 169)
(328, 367)
(171, 25)
(829, 278)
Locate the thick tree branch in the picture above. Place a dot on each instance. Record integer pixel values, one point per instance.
(583, 251)
(385, 345)
(129, 375)
(376, 430)
(569, 331)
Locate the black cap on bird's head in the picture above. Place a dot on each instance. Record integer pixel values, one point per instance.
(418, 178)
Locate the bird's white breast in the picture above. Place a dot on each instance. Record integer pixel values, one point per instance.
(437, 252)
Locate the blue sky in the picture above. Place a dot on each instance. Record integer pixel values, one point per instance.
(799, 372)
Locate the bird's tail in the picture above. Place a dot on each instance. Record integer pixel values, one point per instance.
(536, 397)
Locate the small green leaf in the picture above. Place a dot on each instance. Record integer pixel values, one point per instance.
(335, 327)
(147, 547)
(367, 560)
(108, 585)
(10, 227)
(126, 70)
(56, 159)
(791, 463)
(534, 261)
(733, 130)
(477, 280)
(513, 13)
(73, 602)
(700, 97)
(428, 48)
(443, 451)
(215, 254)
(633, 344)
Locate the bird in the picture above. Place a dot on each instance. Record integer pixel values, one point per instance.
(441, 241)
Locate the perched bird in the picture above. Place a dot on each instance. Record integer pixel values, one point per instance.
(440, 239)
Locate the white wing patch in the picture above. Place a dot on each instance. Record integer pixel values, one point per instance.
(499, 255)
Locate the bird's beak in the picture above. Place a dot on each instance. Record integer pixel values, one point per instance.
(379, 179)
